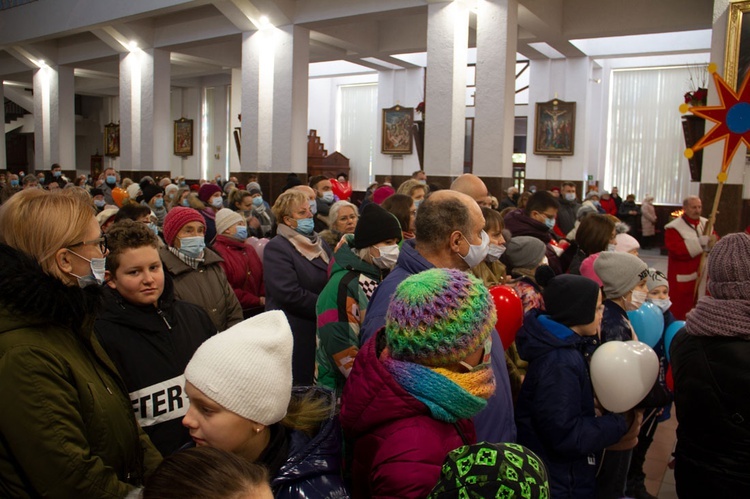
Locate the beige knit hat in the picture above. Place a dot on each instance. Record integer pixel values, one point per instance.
(225, 218)
(247, 369)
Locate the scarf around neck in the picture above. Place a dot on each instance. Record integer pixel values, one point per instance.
(723, 318)
(448, 395)
(188, 260)
(309, 247)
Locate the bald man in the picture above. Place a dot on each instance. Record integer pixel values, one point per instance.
(474, 187)
(450, 234)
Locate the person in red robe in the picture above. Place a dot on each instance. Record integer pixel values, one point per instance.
(685, 244)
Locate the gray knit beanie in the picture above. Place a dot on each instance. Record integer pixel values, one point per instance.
(524, 252)
(728, 270)
(247, 369)
(619, 272)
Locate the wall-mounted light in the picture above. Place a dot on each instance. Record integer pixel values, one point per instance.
(133, 46)
(41, 63)
(596, 80)
(264, 22)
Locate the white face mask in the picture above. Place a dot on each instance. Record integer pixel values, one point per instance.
(637, 298)
(96, 277)
(477, 252)
(495, 252)
(388, 257)
(217, 202)
(664, 305)
(611, 247)
(570, 196)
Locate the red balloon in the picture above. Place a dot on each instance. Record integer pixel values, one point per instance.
(342, 189)
(669, 379)
(509, 313)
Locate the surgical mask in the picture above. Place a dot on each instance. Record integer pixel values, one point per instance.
(328, 197)
(159, 203)
(96, 277)
(241, 233)
(423, 182)
(417, 203)
(217, 203)
(388, 257)
(313, 206)
(637, 298)
(14, 183)
(305, 226)
(550, 223)
(664, 304)
(99, 203)
(258, 201)
(597, 204)
(185, 202)
(111, 179)
(41, 180)
(56, 174)
(154, 227)
(486, 358)
(183, 183)
(192, 246)
(495, 252)
(569, 196)
(477, 252)
(218, 179)
(611, 247)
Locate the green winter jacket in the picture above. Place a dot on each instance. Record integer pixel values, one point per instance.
(341, 310)
(67, 425)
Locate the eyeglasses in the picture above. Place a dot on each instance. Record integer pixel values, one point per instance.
(101, 241)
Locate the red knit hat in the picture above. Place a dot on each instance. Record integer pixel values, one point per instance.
(176, 219)
(382, 193)
(208, 190)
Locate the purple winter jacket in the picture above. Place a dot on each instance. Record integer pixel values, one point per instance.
(398, 447)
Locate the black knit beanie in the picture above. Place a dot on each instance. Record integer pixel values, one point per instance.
(375, 226)
(569, 299)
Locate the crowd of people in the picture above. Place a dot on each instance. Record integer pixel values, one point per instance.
(162, 338)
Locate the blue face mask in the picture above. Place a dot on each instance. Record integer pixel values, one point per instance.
(305, 226)
(550, 223)
(241, 233)
(111, 179)
(328, 197)
(313, 207)
(257, 201)
(154, 227)
(99, 203)
(56, 174)
(41, 180)
(14, 183)
(159, 203)
(185, 202)
(192, 246)
(417, 203)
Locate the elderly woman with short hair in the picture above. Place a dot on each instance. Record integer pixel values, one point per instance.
(295, 266)
(344, 217)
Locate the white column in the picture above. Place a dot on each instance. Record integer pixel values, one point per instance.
(3, 153)
(54, 119)
(145, 127)
(274, 99)
(445, 103)
(497, 31)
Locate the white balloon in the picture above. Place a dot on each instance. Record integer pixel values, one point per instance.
(623, 372)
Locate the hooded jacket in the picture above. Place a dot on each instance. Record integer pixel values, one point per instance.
(555, 409)
(340, 309)
(67, 424)
(399, 447)
(206, 286)
(151, 346)
(243, 268)
(495, 422)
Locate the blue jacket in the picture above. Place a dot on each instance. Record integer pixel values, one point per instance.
(555, 408)
(495, 422)
(615, 323)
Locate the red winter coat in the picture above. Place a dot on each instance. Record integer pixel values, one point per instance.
(609, 205)
(243, 268)
(398, 447)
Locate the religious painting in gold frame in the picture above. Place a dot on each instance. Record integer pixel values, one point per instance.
(737, 59)
(554, 133)
(112, 139)
(183, 137)
(397, 130)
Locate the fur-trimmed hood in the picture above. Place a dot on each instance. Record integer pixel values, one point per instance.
(30, 296)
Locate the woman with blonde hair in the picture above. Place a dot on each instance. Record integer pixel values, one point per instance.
(241, 400)
(414, 189)
(68, 425)
(295, 266)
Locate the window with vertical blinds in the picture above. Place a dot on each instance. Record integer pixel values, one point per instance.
(357, 130)
(645, 143)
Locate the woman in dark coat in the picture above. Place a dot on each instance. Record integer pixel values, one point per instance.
(710, 359)
(67, 422)
(295, 266)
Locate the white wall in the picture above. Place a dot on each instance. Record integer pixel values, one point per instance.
(186, 102)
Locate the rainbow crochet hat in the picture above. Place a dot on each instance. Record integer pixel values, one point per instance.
(438, 317)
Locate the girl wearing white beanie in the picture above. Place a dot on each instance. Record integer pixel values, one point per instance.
(241, 400)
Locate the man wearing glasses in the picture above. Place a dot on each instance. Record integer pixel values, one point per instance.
(537, 220)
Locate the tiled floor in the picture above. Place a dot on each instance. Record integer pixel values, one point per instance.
(659, 478)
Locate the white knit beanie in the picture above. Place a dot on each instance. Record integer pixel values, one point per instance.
(247, 369)
(225, 218)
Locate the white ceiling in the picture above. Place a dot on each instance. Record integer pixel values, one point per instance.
(346, 36)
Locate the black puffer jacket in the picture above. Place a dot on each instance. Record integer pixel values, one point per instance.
(150, 346)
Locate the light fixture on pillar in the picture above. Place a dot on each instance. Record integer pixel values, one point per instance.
(41, 63)
(264, 22)
(133, 46)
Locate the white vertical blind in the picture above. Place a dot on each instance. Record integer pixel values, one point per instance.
(645, 143)
(357, 130)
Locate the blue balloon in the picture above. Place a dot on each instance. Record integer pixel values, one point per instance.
(669, 335)
(648, 323)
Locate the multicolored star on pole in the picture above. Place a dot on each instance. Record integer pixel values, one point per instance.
(732, 120)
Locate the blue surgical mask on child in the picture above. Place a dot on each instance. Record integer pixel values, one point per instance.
(192, 246)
